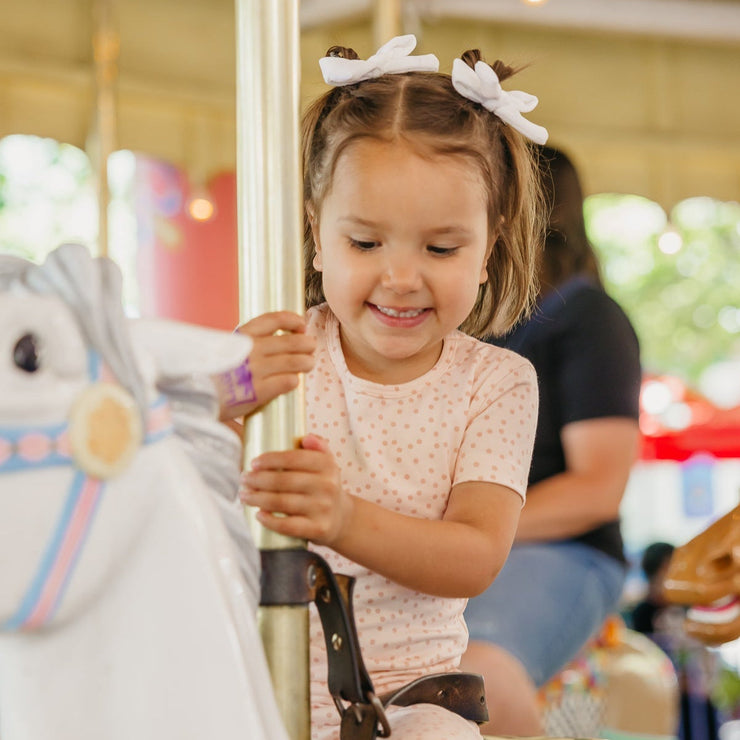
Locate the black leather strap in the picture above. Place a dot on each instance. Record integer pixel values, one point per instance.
(296, 576)
(299, 576)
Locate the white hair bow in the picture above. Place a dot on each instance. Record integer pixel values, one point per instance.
(481, 85)
(392, 58)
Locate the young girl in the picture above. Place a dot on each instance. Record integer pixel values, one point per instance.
(422, 227)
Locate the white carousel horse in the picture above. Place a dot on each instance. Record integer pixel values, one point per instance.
(128, 585)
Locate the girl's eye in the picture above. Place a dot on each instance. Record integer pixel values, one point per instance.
(363, 245)
(442, 251)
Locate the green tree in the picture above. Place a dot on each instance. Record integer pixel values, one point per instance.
(47, 196)
(678, 280)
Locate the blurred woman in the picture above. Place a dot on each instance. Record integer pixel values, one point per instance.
(567, 567)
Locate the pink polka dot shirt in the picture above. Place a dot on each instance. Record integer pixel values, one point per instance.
(472, 417)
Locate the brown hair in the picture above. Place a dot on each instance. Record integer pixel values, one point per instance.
(424, 110)
(568, 250)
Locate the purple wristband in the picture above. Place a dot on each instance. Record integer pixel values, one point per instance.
(237, 385)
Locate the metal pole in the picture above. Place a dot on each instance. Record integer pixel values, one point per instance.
(270, 222)
(387, 21)
(105, 54)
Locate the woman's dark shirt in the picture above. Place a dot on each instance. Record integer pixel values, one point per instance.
(586, 355)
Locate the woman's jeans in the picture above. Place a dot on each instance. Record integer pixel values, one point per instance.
(546, 602)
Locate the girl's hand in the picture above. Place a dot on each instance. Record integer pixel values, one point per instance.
(299, 493)
(273, 365)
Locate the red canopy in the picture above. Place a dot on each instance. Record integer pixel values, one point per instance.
(708, 429)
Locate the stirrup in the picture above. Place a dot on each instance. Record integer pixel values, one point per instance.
(299, 576)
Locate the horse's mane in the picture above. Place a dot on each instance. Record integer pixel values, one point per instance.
(217, 452)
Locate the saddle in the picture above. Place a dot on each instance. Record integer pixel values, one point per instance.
(299, 576)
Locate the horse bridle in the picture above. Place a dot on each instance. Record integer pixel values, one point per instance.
(30, 448)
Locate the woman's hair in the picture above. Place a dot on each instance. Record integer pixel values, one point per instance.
(567, 248)
(423, 110)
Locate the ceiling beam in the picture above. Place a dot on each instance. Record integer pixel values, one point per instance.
(706, 20)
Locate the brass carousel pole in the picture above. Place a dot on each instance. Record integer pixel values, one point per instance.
(105, 55)
(387, 21)
(269, 204)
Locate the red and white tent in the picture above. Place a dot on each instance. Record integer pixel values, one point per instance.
(697, 426)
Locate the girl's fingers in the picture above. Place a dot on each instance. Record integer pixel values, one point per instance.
(292, 481)
(276, 385)
(268, 323)
(297, 492)
(309, 460)
(314, 442)
(289, 504)
(264, 376)
(284, 344)
(285, 515)
(290, 526)
(264, 366)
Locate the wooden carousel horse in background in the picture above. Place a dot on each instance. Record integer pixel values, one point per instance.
(619, 685)
(611, 679)
(128, 580)
(704, 574)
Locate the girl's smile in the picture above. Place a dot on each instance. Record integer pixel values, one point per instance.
(399, 316)
(402, 244)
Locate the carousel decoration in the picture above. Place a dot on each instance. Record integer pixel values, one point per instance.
(130, 581)
(704, 574)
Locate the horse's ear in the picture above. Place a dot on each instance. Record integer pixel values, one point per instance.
(181, 349)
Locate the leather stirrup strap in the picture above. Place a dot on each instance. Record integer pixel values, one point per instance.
(461, 693)
(300, 576)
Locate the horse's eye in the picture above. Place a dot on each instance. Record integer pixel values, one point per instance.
(26, 353)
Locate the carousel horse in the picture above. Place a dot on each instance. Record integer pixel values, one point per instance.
(704, 574)
(620, 685)
(128, 579)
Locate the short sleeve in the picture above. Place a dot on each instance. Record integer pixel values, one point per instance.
(498, 440)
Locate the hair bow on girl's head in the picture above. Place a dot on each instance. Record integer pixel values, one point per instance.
(392, 58)
(481, 85)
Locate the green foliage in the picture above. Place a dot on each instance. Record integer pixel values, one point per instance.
(3, 186)
(47, 196)
(726, 690)
(684, 304)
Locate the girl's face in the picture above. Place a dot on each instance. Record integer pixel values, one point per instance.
(402, 244)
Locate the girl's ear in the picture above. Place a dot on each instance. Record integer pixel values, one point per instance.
(484, 270)
(313, 220)
(491, 246)
(484, 267)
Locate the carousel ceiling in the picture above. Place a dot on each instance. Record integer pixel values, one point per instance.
(690, 19)
(642, 92)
